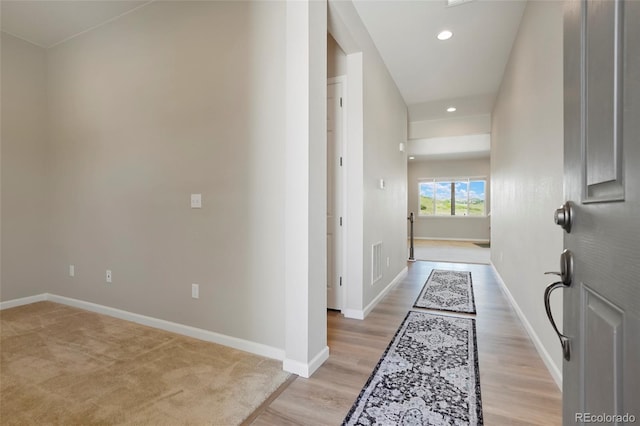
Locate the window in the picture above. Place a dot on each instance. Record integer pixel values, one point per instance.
(452, 197)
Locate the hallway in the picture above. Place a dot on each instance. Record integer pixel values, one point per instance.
(516, 387)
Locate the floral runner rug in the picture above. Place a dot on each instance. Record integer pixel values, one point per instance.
(428, 375)
(447, 291)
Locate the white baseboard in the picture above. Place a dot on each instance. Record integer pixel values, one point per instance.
(362, 314)
(542, 351)
(185, 330)
(353, 313)
(471, 240)
(23, 301)
(306, 369)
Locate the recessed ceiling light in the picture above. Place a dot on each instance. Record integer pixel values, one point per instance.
(445, 35)
(451, 109)
(412, 158)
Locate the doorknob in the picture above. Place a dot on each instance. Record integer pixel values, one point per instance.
(566, 275)
(564, 216)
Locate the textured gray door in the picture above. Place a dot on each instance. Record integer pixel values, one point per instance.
(601, 380)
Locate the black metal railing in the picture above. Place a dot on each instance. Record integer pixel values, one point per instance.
(410, 219)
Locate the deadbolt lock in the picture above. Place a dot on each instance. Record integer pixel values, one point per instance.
(564, 216)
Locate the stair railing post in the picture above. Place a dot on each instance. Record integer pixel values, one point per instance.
(411, 256)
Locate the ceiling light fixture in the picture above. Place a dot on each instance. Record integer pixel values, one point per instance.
(412, 158)
(445, 35)
(451, 109)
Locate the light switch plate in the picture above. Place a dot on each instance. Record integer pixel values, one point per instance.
(195, 291)
(196, 201)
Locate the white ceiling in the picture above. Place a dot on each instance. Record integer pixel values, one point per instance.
(47, 23)
(464, 71)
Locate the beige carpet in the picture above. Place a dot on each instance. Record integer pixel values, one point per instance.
(65, 366)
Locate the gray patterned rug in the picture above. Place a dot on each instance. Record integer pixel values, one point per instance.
(447, 291)
(427, 376)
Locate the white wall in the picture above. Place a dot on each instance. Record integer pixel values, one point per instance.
(447, 127)
(172, 99)
(23, 192)
(336, 58)
(385, 127)
(527, 170)
(453, 227)
(306, 187)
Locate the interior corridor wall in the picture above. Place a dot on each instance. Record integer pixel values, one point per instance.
(336, 58)
(23, 159)
(376, 151)
(173, 99)
(527, 171)
(385, 127)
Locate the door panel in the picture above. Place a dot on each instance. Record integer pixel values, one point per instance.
(603, 333)
(602, 179)
(604, 58)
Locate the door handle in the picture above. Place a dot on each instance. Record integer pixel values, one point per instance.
(566, 276)
(564, 340)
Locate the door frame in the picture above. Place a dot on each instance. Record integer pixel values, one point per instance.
(342, 182)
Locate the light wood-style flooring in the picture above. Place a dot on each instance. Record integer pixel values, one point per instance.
(450, 251)
(517, 389)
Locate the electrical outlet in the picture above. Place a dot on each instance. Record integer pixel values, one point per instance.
(388, 262)
(72, 271)
(195, 291)
(108, 276)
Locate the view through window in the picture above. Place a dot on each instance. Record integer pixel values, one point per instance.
(452, 197)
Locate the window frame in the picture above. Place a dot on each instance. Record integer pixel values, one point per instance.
(468, 180)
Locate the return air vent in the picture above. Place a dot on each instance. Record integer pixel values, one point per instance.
(376, 262)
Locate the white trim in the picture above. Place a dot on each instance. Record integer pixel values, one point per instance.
(471, 240)
(185, 330)
(542, 351)
(362, 314)
(342, 79)
(353, 313)
(354, 175)
(23, 301)
(306, 370)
